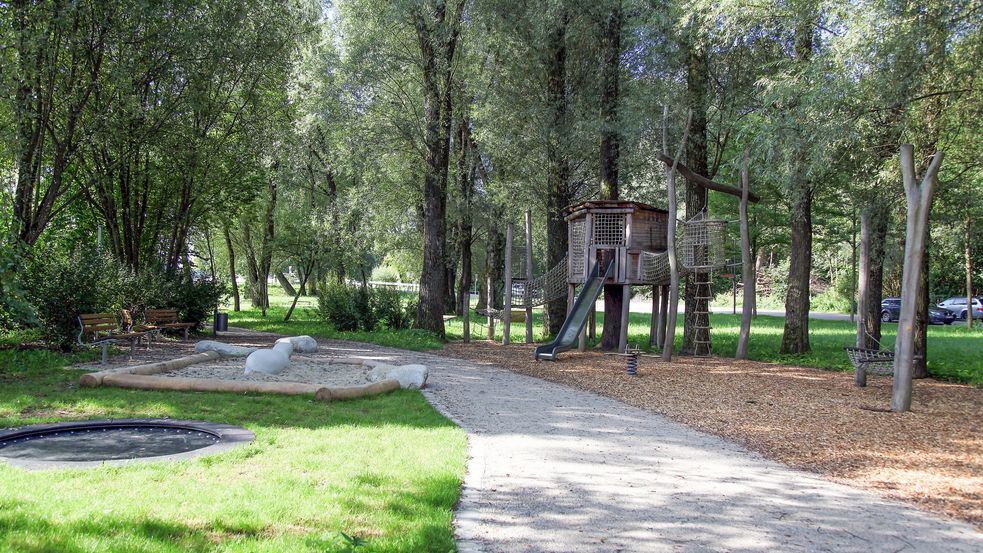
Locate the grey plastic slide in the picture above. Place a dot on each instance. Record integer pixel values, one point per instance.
(577, 318)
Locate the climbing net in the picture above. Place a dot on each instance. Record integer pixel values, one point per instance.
(550, 285)
(703, 245)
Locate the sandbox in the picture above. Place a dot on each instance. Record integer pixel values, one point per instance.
(325, 377)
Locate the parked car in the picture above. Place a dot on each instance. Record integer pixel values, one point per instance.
(891, 311)
(958, 307)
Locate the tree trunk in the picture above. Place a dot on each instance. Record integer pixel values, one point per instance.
(557, 160)
(437, 35)
(673, 307)
(232, 267)
(466, 167)
(610, 43)
(284, 283)
(919, 368)
(696, 318)
(253, 276)
(296, 295)
(853, 266)
(969, 276)
(873, 234)
(266, 251)
(796, 336)
(746, 267)
(919, 198)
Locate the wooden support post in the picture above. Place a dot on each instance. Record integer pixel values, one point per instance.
(592, 323)
(488, 309)
(654, 322)
(625, 309)
(919, 198)
(582, 341)
(747, 270)
(507, 302)
(571, 295)
(671, 234)
(528, 276)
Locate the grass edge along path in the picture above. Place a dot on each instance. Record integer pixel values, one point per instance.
(955, 352)
(386, 469)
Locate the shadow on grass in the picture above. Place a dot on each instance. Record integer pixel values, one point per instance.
(24, 531)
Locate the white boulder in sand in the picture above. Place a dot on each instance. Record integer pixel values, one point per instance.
(301, 344)
(225, 350)
(270, 361)
(409, 376)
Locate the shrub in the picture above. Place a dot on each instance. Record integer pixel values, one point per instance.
(61, 286)
(350, 308)
(390, 310)
(15, 305)
(336, 305)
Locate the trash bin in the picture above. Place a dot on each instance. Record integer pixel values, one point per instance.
(221, 322)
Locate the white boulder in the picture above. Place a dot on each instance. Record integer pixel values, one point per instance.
(269, 361)
(225, 350)
(301, 344)
(379, 372)
(409, 376)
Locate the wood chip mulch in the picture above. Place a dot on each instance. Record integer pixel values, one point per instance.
(807, 418)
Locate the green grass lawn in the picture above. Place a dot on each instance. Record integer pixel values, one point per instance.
(387, 469)
(955, 352)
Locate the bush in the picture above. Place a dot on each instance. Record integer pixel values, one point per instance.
(61, 286)
(15, 305)
(349, 308)
(336, 306)
(390, 310)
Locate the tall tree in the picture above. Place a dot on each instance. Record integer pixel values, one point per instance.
(696, 322)
(437, 29)
(610, 150)
(799, 193)
(558, 189)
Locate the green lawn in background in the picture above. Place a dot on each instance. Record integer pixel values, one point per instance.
(387, 469)
(955, 352)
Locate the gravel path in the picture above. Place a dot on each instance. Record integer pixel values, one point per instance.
(558, 469)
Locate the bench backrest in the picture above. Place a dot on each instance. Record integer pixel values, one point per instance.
(95, 323)
(160, 316)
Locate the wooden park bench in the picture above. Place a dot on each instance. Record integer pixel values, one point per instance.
(129, 325)
(166, 319)
(100, 329)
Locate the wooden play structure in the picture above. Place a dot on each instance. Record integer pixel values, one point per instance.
(626, 244)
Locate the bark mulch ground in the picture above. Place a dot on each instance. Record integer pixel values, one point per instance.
(812, 419)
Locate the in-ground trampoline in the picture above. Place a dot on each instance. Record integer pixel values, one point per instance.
(94, 443)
